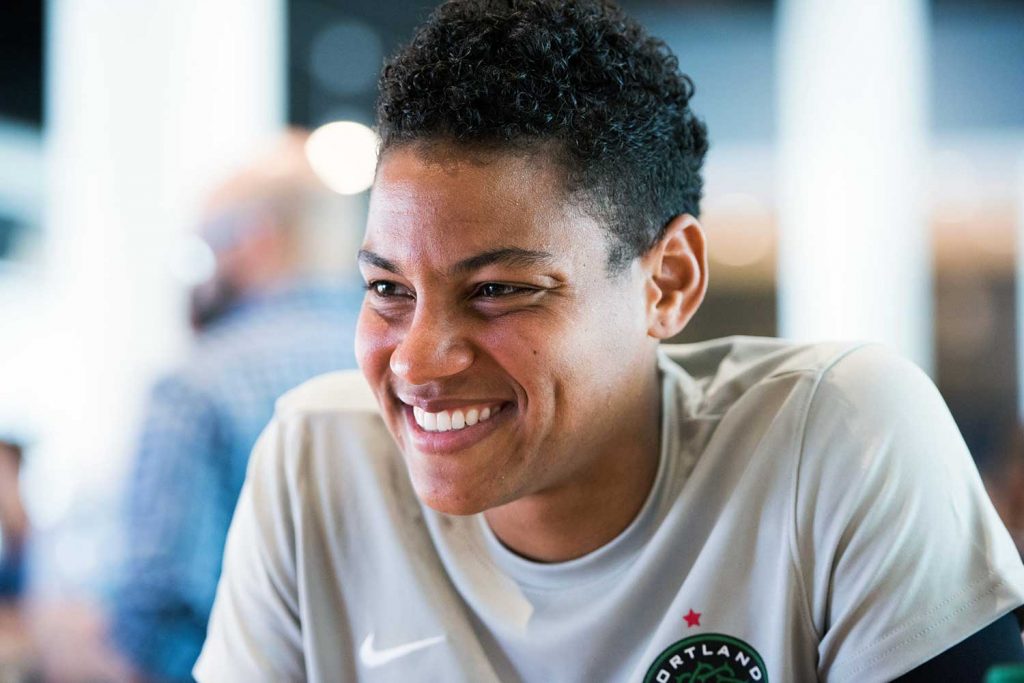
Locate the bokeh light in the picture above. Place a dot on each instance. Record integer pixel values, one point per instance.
(344, 155)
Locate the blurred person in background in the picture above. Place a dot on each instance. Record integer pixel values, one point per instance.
(15, 645)
(14, 525)
(1003, 473)
(264, 324)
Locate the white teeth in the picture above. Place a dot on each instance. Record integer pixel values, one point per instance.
(446, 421)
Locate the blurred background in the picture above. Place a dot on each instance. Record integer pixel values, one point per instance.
(866, 180)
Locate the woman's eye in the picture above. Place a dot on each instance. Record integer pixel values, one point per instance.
(386, 289)
(496, 290)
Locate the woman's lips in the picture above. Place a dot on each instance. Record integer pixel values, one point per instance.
(438, 432)
(456, 418)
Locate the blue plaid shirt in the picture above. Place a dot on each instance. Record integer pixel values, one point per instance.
(201, 424)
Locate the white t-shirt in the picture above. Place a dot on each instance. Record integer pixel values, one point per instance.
(815, 516)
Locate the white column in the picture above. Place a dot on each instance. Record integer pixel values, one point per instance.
(854, 249)
(148, 103)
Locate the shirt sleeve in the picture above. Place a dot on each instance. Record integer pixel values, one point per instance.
(255, 632)
(178, 506)
(902, 552)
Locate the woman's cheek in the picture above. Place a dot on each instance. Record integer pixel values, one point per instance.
(375, 338)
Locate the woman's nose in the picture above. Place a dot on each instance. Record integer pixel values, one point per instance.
(432, 348)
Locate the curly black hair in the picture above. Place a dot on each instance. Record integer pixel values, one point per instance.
(577, 78)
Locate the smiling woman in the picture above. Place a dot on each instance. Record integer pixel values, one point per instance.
(522, 477)
(505, 320)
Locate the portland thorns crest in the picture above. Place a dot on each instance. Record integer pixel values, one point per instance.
(708, 658)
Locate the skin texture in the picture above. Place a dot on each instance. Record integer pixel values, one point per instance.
(566, 350)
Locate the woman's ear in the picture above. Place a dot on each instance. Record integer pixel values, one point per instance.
(676, 272)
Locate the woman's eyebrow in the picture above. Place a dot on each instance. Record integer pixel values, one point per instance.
(378, 261)
(506, 256)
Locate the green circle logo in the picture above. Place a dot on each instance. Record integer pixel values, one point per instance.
(708, 658)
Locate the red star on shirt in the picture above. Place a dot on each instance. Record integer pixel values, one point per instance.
(692, 619)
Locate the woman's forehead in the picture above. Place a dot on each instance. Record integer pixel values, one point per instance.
(468, 183)
(462, 206)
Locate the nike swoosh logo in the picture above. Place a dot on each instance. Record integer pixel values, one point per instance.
(372, 658)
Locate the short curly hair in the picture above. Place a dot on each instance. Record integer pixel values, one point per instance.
(576, 78)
